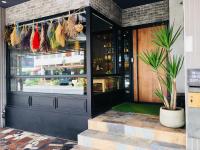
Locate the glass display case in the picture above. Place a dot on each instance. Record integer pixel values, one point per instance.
(104, 56)
(105, 53)
(62, 71)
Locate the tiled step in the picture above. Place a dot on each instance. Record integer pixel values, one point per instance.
(108, 141)
(136, 125)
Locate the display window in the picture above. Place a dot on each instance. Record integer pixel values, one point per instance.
(57, 65)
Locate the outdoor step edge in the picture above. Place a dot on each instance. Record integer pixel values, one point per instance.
(134, 126)
(127, 130)
(92, 139)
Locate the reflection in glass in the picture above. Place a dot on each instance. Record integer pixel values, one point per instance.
(50, 85)
(104, 53)
(68, 63)
(127, 67)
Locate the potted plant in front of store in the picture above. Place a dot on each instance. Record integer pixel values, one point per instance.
(166, 65)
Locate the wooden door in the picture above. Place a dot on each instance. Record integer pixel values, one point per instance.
(145, 81)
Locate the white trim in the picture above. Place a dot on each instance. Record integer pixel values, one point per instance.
(2, 67)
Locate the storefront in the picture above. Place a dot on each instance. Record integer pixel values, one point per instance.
(56, 87)
(56, 91)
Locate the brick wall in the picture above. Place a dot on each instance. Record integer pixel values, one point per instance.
(109, 9)
(40, 8)
(36, 9)
(127, 17)
(144, 14)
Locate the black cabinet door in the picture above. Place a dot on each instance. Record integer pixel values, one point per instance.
(71, 104)
(43, 102)
(17, 100)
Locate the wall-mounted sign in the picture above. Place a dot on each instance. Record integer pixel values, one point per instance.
(193, 77)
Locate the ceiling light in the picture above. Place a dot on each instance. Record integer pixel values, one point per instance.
(4, 2)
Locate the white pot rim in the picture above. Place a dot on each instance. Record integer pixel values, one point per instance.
(177, 108)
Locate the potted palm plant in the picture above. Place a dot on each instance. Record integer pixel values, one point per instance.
(166, 66)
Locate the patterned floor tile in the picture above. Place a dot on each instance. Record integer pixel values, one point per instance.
(13, 139)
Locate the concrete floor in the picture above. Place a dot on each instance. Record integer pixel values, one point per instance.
(13, 139)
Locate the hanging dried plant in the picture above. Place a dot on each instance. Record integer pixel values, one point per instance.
(78, 26)
(69, 27)
(60, 36)
(31, 38)
(7, 33)
(22, 36)
(36, 39)
(26, 41)
(52, 37)
(44, 43)
(15, 37)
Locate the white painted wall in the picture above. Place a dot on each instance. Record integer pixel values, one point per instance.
(192, 60)
(176, 16)
(2, 66)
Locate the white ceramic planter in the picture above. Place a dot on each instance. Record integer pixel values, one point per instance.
(172, 118)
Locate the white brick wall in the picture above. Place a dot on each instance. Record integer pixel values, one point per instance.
(144, 14)
(34, 9)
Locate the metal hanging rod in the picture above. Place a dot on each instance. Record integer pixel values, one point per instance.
(55, 18)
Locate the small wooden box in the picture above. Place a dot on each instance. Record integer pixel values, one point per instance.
(194, 100)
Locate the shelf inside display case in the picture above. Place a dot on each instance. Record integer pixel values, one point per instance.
(106, 84)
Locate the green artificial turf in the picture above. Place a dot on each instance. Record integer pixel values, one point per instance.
(143, 108)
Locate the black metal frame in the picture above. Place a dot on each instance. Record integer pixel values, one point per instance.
(104, 101)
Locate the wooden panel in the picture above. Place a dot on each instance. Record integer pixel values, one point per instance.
(144, 78)
(135, 58)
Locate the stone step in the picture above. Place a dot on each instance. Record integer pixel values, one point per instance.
(108, 141)
(77, 147)
(137, 125)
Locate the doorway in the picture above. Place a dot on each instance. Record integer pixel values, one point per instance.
(144, 79)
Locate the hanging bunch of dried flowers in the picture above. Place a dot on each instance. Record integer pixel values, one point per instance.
(15, 37)
(7, 33)
(78, 27)
(69, 27)
(60, 36)
(50, 36)
(44, 43)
